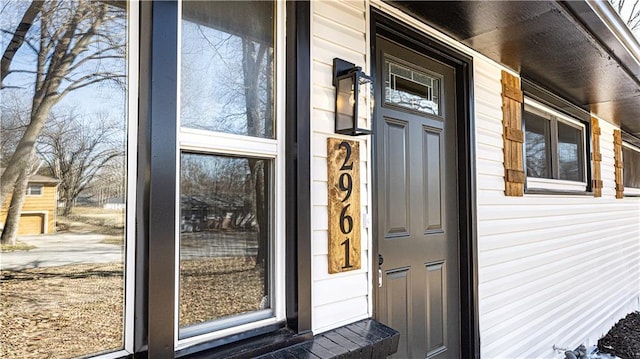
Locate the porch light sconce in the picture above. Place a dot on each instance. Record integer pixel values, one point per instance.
(354, 99)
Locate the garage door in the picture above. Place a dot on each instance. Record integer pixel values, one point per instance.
(31, 224)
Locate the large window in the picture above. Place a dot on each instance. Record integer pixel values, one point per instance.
(554, 149)
(231, 166)
(65, 126)
(631, 170)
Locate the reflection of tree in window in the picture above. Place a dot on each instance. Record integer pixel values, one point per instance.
(537, 140)
(631, 170)
(227, 69)
(227, 80)
(569, 149)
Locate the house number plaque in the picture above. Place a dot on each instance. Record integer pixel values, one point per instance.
(343, 161)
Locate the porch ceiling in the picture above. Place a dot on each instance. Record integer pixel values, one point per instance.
(565, 47)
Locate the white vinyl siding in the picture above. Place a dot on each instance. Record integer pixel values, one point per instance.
(338, 30)
(553, 270)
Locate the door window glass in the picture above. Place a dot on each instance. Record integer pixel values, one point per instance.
(411, 88)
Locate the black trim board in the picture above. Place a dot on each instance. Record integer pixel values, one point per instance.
(298, 167)
(162, 179)
(156, 184)
(392, 29)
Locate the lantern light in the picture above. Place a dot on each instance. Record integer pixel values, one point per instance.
(354, 99)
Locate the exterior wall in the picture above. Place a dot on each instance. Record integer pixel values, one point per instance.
(553, 269)
(44, 205)
(338, 30)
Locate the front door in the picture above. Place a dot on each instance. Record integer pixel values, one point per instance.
(417, 220)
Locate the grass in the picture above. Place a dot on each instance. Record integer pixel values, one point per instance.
(109, 222)
(76, 310)
(19, 246)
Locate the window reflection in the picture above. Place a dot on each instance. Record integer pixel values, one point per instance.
(538, 142)
(569, 153)
(63, 164)
(224, 235)
(227, 67)
(631, 170)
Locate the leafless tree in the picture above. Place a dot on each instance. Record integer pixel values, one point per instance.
(257, 62)
(629, 12)
(72, 45)
(76, 149)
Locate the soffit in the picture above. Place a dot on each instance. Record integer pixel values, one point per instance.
(561, 47)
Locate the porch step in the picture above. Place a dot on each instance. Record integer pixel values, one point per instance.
(362, 339)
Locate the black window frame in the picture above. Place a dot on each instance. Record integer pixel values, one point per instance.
(565, 108)
(155, 317)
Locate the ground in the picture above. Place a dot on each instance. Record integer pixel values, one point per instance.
(68, 311)
(63, 296)
(623, 340)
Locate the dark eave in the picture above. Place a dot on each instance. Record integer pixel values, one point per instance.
(570, 48)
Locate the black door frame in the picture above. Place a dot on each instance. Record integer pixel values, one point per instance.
(384, 25)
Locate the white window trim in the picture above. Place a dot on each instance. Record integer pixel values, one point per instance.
(631, 191)
(553, 184)
(133, 61)
(30, 186)
(223, 143)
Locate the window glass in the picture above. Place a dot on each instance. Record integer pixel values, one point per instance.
(569, 153)
(410, 88)
(538, 145)
(62, 292)
(227, 73)
(631, 170)
(224, 236)
(226, 201)
(554, 149)
(34, 190)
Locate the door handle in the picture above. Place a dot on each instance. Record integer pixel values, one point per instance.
(380, 261)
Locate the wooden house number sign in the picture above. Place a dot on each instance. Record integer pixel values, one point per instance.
(343, 164)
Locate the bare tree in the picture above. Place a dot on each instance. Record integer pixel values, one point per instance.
(75, 149)
(257, 62)
(629, 12)
(70, 43)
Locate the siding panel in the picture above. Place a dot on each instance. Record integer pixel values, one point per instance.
(338, 30)
(553, 269)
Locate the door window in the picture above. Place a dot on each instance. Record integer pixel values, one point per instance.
(411, 88)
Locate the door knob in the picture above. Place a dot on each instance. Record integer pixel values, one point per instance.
(380, 259)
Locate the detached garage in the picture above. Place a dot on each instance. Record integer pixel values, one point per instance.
(38, 212)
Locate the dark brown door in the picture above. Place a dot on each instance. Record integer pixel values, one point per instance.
(417, 221)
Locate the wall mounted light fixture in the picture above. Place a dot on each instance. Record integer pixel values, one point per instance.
(354, 99)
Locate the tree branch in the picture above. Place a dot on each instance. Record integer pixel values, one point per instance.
(19, 36)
